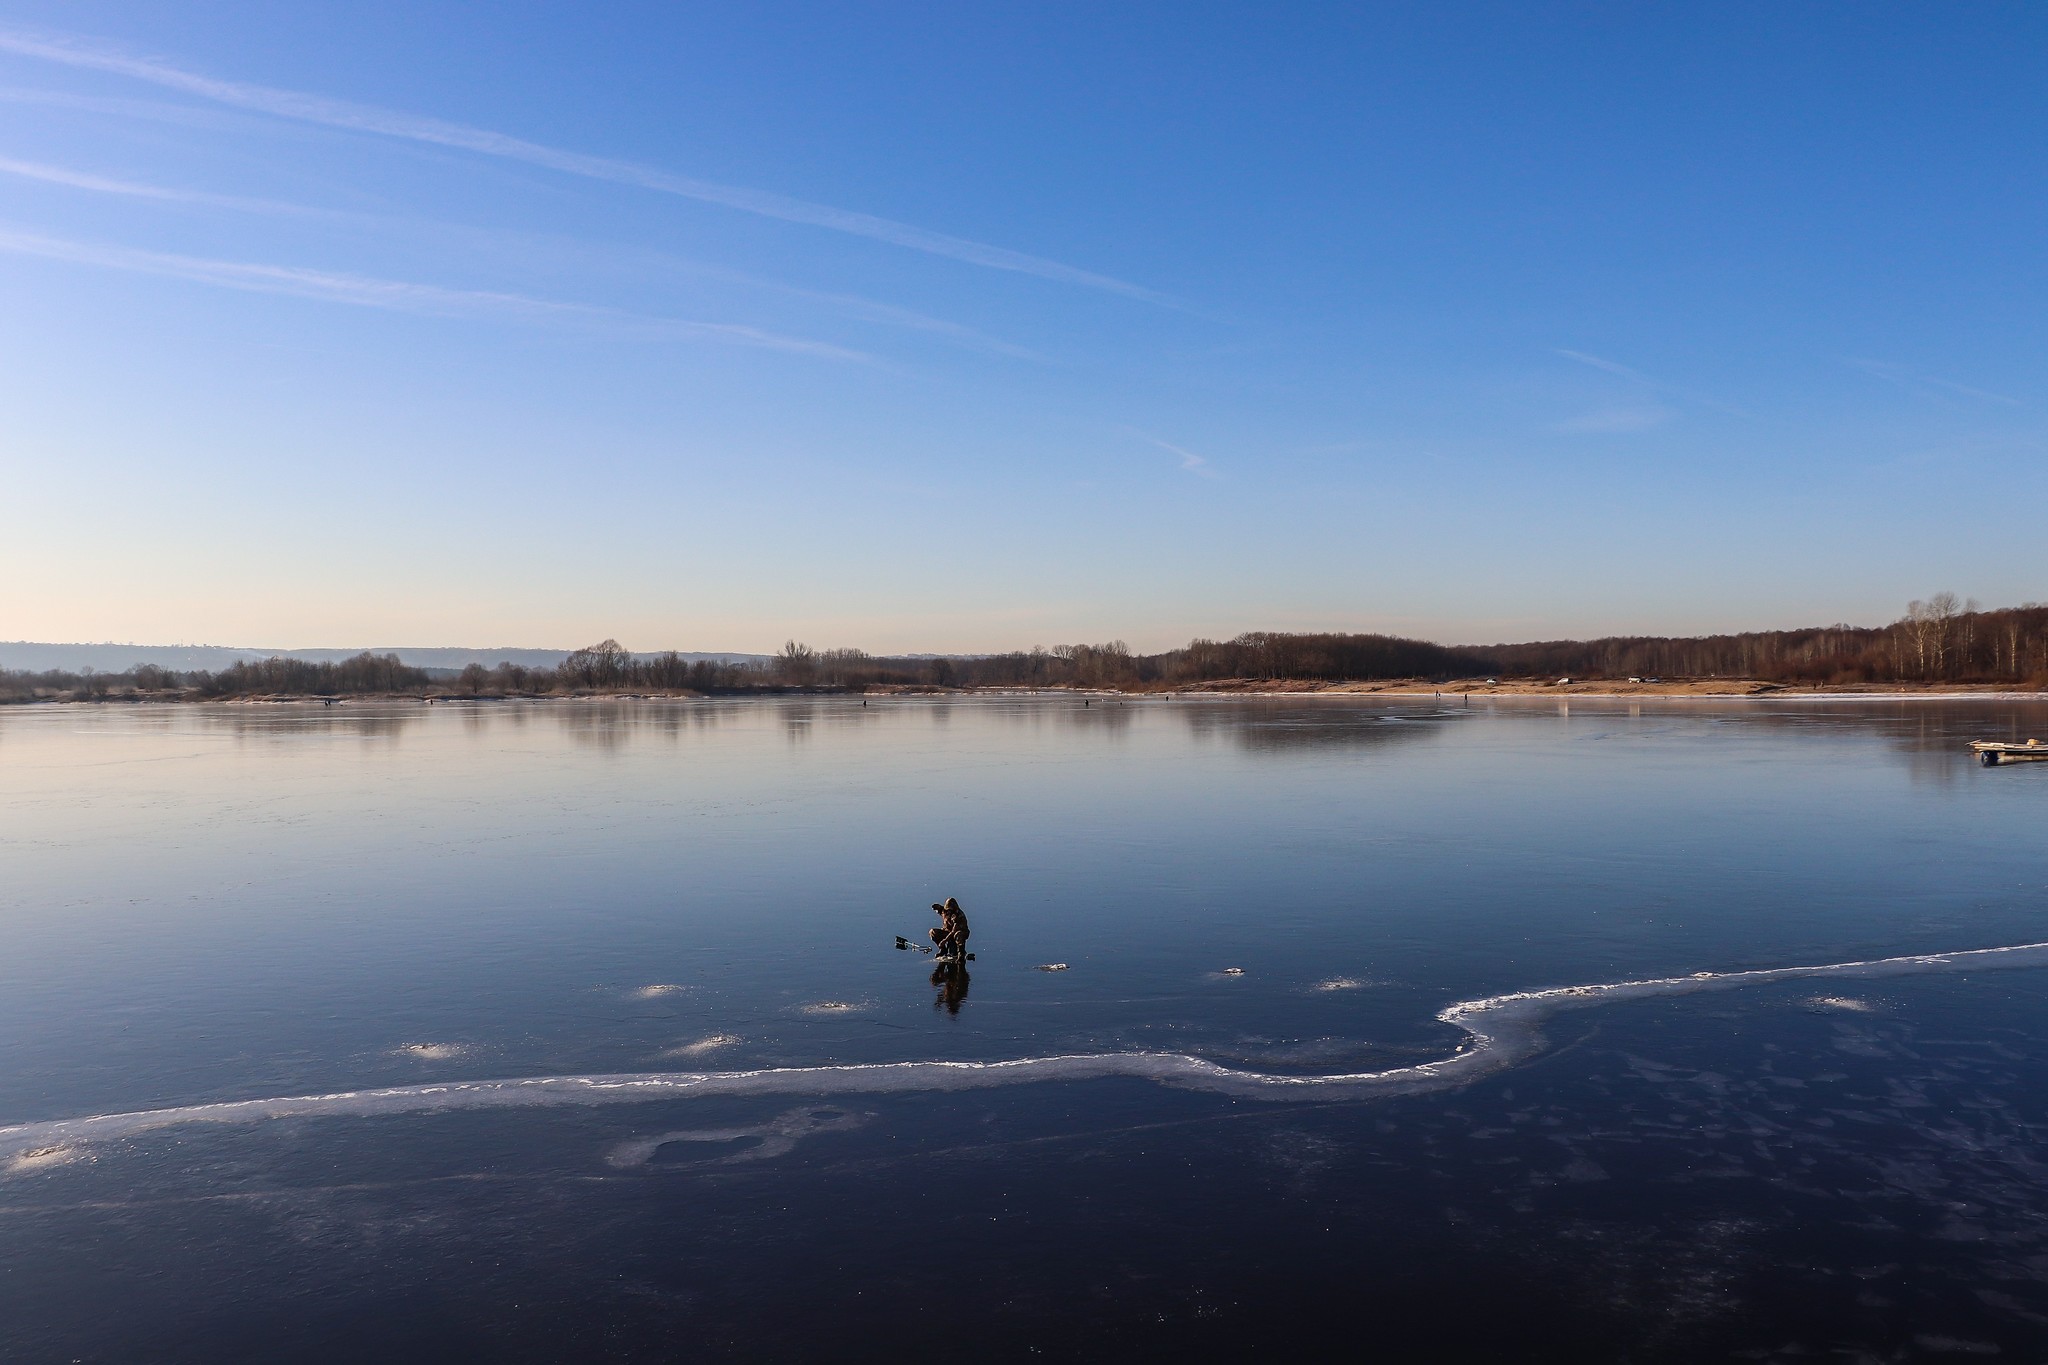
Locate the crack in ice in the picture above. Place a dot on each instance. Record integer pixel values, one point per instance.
(1501, 1031)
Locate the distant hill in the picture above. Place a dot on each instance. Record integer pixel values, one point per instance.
(33, 657)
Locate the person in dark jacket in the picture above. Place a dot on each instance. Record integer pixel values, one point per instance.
(950, 938)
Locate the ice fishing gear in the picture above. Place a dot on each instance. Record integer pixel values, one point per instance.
(903, 943)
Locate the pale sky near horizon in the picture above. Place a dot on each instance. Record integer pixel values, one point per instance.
(954, 328)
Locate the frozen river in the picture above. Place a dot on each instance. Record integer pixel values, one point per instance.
(303, 949)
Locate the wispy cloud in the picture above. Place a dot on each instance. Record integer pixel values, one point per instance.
(1651, 382)
(855, 306)
(1901, 375)
(154, 111)
(332, 113)
(890, 315)
(1612, 367)
(397, 295)
(851, 305)
(130, 189)
(81, 180)
(1618, 420)
(1191, 462)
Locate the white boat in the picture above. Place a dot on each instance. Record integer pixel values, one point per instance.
(1991, 752)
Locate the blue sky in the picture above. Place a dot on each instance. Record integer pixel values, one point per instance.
(953, 327)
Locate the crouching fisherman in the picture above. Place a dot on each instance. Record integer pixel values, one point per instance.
(950, 938)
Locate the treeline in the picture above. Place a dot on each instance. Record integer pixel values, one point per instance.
(1940, 640)
(365, 673)
(351, 677)
(1258, 655)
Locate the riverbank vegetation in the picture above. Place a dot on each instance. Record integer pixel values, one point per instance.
(1940, 641)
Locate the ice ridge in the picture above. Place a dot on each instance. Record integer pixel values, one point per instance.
(1501, 1031)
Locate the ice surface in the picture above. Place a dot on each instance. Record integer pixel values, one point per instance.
(1502, 1031)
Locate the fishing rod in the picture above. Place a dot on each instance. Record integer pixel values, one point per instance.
(902, 943)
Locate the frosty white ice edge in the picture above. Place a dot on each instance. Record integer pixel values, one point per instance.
(1502, 1031)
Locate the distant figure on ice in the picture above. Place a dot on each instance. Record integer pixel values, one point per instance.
(950, 938)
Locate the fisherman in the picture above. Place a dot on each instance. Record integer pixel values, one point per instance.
(950, 938)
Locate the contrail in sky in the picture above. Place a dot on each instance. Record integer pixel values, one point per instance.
(1899, 374)
(129, 189)
(851, 304)
(1648, 381)
(363, 118)
(1191, 462)
(396, 295)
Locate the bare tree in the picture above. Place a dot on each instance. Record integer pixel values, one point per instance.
(1942, 611)
(798, 664)
(606, 664)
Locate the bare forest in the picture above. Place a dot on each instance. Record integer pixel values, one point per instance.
(1942, 640)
